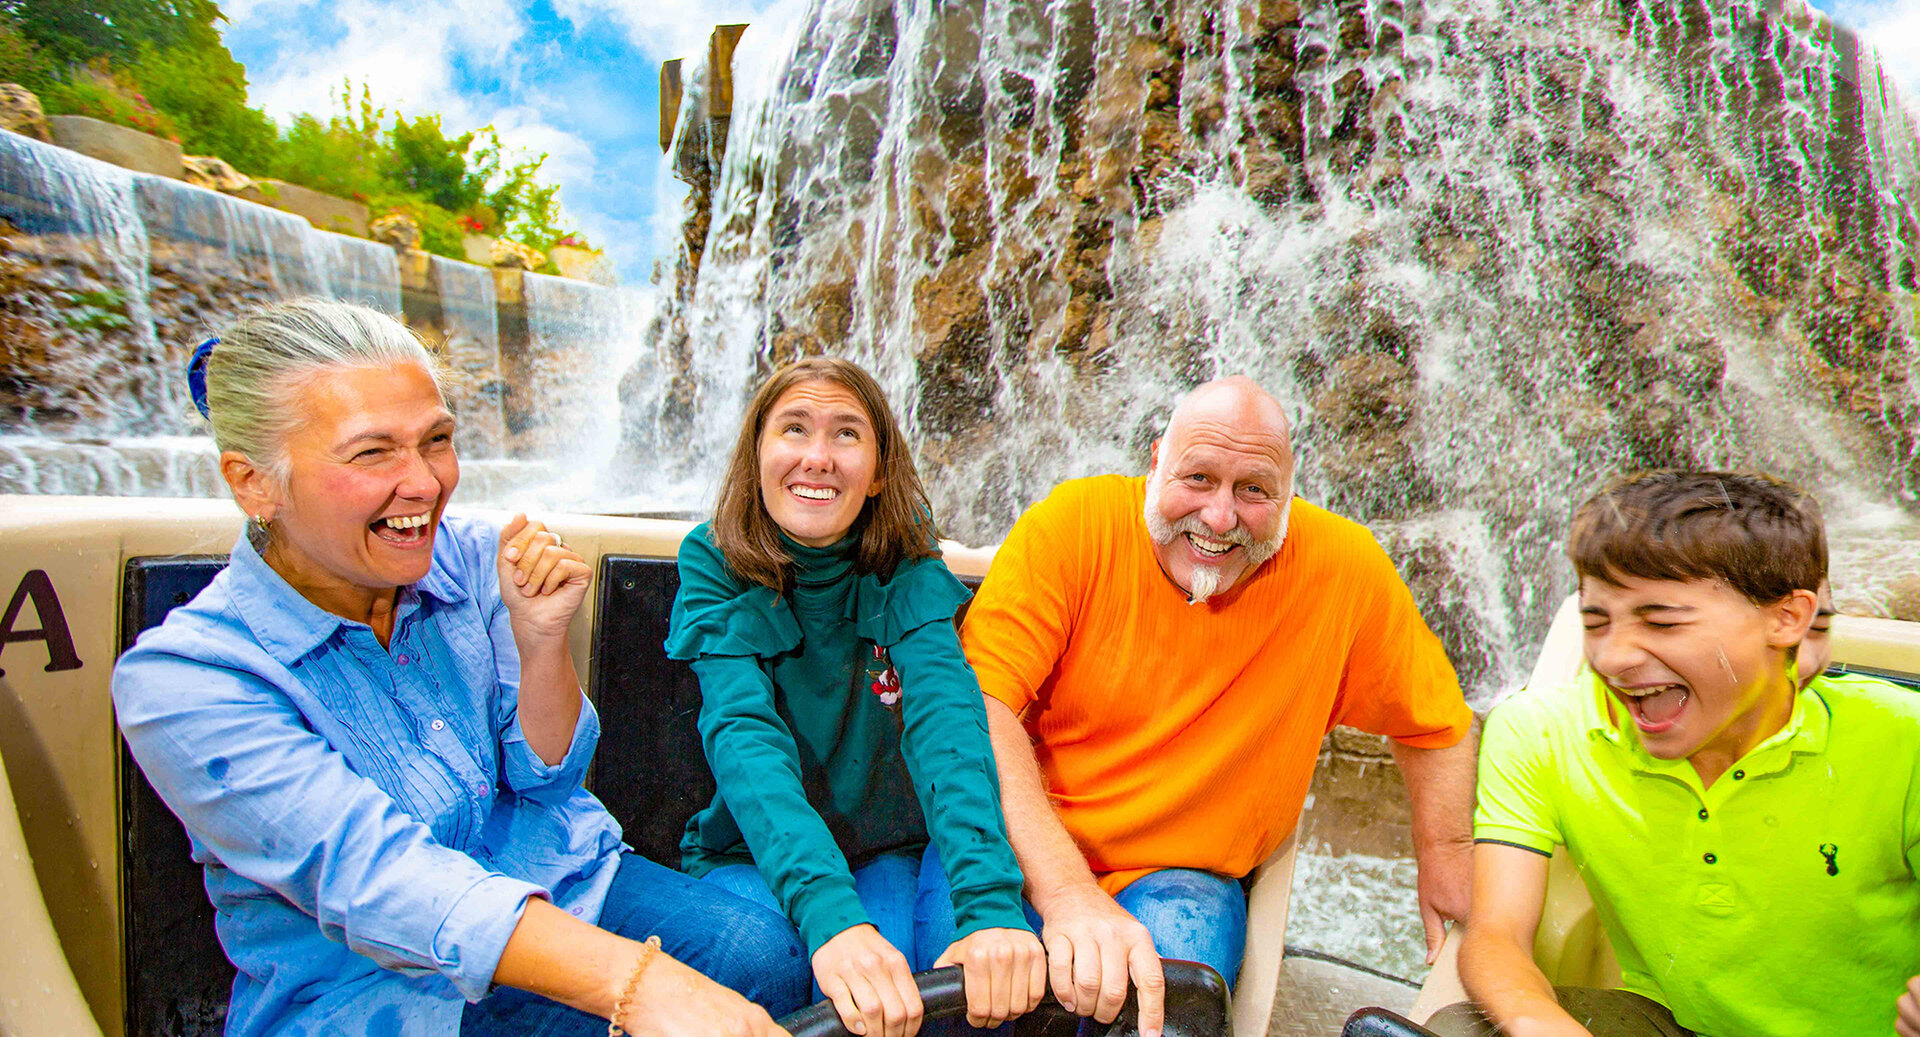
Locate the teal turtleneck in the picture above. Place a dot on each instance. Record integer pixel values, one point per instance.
(813, 769)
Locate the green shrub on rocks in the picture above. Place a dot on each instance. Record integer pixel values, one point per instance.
(160, 67)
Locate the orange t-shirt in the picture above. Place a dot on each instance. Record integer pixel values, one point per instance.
(1174, 735)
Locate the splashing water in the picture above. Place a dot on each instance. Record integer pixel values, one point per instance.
(1485, 252)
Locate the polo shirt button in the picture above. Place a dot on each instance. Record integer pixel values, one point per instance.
(1709, 858)
(1737, 775)
(439, 725)
(1703, 813)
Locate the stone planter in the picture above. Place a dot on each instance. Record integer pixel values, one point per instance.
(129, 149)
(340, 215)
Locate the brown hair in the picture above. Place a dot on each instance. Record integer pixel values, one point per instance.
(893, 526)
(1759, 535)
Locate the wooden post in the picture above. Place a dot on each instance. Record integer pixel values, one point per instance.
(670, 94)
(720, 48)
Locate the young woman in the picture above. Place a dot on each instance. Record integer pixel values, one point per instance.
(371, 726)
(841, 720)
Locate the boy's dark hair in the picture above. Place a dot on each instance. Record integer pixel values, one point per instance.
(1759, 535)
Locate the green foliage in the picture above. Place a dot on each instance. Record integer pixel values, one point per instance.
(77, 31)
(425, 161)
(204, 92)
(94, 90)
(94, 311)
(20, 61)
(159, 66)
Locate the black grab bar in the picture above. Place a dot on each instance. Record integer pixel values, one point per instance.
(1196, 1006)
(1378, 1022)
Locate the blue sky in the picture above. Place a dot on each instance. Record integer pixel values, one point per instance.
(579, 79)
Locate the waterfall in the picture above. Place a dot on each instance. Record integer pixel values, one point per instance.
(1485, 252)
(108, 278)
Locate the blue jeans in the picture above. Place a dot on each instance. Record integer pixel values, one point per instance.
(1193, 916)
(905, 895)
(734, 943)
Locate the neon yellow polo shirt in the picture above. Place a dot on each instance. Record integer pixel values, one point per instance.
(1781, 901)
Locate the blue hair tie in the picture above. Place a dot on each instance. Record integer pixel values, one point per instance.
(197, 375)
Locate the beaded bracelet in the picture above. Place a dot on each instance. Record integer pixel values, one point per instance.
(633, 983)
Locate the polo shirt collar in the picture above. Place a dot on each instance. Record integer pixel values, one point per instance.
(289, 626)
(1805, 732)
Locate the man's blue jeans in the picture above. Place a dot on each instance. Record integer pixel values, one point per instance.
(1193, 916)
(735, 943)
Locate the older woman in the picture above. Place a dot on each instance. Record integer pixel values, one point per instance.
(372, 728)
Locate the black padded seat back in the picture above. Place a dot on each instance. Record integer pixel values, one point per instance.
(650, 769)
(178, 979)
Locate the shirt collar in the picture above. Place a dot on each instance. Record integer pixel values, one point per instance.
(289, 626)
(1805, 731)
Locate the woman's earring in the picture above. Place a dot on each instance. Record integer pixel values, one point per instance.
(261, 522)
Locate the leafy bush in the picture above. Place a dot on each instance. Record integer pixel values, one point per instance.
(205, 94)
(99, 92)
(21, 61)
(159, 66)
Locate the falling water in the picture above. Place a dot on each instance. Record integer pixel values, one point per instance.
(1484, 252)
(108, 278)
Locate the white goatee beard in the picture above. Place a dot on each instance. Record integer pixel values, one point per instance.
(1205, 580)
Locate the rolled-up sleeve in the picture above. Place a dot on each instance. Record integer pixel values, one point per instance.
(268, 798)
(523, 770)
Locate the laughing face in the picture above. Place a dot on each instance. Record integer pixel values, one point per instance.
(1700, 669)
(819, 458)
(370, 471)
(1218, 499)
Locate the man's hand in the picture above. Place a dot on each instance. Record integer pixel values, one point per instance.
(1093, 946)
(1006, 972)
(1907, 1022)
(869, 982)
(675, 1001)
(1446, 889)
(1440, 785)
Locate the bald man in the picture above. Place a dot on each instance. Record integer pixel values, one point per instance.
(1161, 657)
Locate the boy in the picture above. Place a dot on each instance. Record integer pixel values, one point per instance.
(1750, 842)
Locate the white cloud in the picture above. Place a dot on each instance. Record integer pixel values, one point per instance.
(403, 53)
(666, 29)
(1892, 29)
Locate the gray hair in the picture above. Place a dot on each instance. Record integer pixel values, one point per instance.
(264, 359)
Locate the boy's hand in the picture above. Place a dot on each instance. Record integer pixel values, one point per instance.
(1907, 1022)
(1006, 971)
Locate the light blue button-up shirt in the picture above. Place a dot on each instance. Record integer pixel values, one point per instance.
(371, 819)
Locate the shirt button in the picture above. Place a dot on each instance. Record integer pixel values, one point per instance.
(575, 911)
(1709, 858)
(403, 660)
(439, 725)
(1703, 813)
(1737, 775)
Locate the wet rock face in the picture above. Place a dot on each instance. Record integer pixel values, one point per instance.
(1486, 254)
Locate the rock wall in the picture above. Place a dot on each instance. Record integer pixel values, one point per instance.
(1485, 251)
